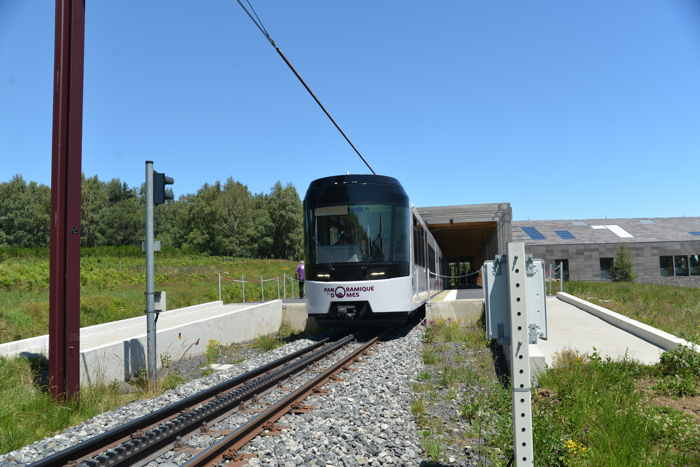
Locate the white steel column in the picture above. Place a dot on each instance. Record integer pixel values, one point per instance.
(519, 356)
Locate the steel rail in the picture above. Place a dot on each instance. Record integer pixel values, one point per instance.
(144, 443)
(94, 444)
(227, 448)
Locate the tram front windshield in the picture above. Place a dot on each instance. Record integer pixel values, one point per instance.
(372, 233)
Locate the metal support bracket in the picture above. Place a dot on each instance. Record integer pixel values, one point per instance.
(519, 356)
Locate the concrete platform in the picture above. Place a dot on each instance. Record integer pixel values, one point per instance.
(575, 329)
(469, 294)
(461, 305)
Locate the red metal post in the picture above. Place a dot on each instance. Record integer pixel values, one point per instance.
(64, 298)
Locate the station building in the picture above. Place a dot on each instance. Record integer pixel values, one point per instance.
(663, 250)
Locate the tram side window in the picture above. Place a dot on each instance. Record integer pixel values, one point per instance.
(417, 246)
(421, 247)
(431, 258)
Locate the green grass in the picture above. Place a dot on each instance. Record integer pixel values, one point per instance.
(587, 410)
(27, 413)
(459, 374)
(670, 308)
(112, 284)
(592, 411)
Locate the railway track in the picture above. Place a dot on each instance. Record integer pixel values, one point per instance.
(145, 438)
(227, 448)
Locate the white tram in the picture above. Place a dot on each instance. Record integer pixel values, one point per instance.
(368, 254)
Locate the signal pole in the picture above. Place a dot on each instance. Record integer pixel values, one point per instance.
(150, 278)
(155, 194)
(66, 154)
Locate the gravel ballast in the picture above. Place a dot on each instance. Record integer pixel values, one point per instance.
(362, 419)
(107, 420)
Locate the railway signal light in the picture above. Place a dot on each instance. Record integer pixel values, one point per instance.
(160, 195)
(155, 194)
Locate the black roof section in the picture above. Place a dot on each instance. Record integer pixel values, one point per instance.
(355, 189)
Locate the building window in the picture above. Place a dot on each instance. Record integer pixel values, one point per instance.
(565, 264)
(533, 233)
(606, 265)
(695, 265)
(565, 234)
(681, 265)
(666, 264)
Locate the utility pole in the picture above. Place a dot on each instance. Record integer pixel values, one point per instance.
(66, 154)
(155, 194)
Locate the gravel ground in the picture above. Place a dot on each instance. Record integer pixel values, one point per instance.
(362, 419)
(107, 420)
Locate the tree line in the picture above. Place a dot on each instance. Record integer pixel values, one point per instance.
(223, 219)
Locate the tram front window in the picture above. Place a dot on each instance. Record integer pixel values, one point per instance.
(372, 233)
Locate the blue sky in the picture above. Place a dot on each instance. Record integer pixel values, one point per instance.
(565, 109)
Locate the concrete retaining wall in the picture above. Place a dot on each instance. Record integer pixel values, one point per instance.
(649, 333)
(294, 316)
(122, 359)
(40, 344)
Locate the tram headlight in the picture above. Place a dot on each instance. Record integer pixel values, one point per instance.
(323, 275)
(377, 273)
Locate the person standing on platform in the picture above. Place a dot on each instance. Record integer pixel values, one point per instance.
(300, 278)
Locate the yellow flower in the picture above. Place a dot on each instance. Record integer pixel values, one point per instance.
(574, 447)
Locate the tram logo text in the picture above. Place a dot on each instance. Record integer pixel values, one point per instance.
(342, 292)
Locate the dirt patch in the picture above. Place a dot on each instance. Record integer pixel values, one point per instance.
(689, 405)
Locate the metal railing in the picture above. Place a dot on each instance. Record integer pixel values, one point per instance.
(257, 287)
(556, 273)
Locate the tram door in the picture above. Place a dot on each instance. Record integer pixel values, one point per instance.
(457, 270)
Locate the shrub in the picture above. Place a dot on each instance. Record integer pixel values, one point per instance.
(172, 380)
(267, 343)
(213, 351)
(676, 386)
(680, 361)
(622, 270)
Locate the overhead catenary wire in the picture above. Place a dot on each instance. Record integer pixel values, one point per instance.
(255, 18)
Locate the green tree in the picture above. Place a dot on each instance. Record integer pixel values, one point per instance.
(220, 219)
(24, 213)
(285, 208)
(121, 223)
(622, 270)
(93, 200)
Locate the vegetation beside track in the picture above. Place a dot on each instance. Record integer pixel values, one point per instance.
(587, 410)
(670, 308)
(113, 281)
(27, 412)
(460, 405)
